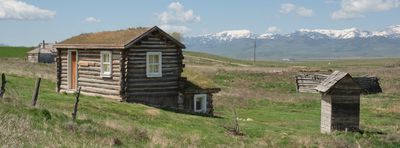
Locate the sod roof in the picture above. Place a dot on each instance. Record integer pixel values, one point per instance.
(118, 37)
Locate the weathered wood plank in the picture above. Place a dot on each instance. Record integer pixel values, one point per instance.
(100, 91)
(99, 85)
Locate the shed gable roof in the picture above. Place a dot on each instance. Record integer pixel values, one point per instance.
(331, 81)
(114, 39)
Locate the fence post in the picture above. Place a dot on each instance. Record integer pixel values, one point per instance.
(3, 85)
(297, 84)
(76, 104)
(36, 92)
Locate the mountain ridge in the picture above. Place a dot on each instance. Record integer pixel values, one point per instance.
(301, 44)
(347, 33)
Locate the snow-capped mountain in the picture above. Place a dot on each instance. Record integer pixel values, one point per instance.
(303, 43)
(391, 31)
(229, 35)
(350, 33)
(338, 34)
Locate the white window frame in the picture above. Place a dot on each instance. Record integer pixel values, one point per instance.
(102, 73)
(203, 103)
(159, 73)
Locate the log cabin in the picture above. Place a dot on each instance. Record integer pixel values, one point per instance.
(142, 65)
(340, 103)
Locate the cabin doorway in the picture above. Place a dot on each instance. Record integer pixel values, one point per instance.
(72, 70)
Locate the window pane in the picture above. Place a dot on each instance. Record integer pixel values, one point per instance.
(106, 57)
(106, 68)
(155, 68)
(151, 68)
(150, 59)
(198, 103)
(156, 58)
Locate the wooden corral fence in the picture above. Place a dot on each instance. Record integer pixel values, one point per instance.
(306, 83)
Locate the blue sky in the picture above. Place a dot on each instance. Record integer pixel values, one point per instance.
(30, 21)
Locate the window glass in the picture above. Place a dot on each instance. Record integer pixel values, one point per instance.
(105, 63)
(153, 64)
(198, 103)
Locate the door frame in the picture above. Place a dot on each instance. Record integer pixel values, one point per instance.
(70, 65)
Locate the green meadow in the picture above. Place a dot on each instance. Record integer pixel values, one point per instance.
(270, 111)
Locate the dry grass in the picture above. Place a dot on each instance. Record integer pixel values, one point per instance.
(157, 139)
(21, 67)
(152, 112)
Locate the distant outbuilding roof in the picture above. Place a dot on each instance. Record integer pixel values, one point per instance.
(113, 39)
(331, 80)
(48, 48)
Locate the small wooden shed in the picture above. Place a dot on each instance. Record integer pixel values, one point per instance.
(340, 103)
(43, 53)
(142, 65)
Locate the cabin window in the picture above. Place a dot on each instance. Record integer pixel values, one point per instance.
(106, 63)
(153, 64)
(200, 103)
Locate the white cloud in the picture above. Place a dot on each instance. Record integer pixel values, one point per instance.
(175, 28)
(176, 18)
(177, 14)
(273, 29)
(355, 8)
(287, 8)
(302, 11)
(18, 10)
(92, 20)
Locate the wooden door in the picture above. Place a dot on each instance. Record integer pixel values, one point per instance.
(73, 70)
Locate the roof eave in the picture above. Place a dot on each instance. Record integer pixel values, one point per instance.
(90, 46)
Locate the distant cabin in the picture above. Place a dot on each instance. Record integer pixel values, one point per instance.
(340, 103)
(141, 65)
(43, 53)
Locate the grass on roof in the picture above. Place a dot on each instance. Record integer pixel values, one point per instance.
(107, 37)
(198, 78)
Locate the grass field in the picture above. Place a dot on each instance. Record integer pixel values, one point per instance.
(19, 52)
(271, 113)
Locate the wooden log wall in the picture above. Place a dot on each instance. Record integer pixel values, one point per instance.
(63, 55)
(326, 114)
(345, 112)
(89, 73)
(163, 90)
(58, 69)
